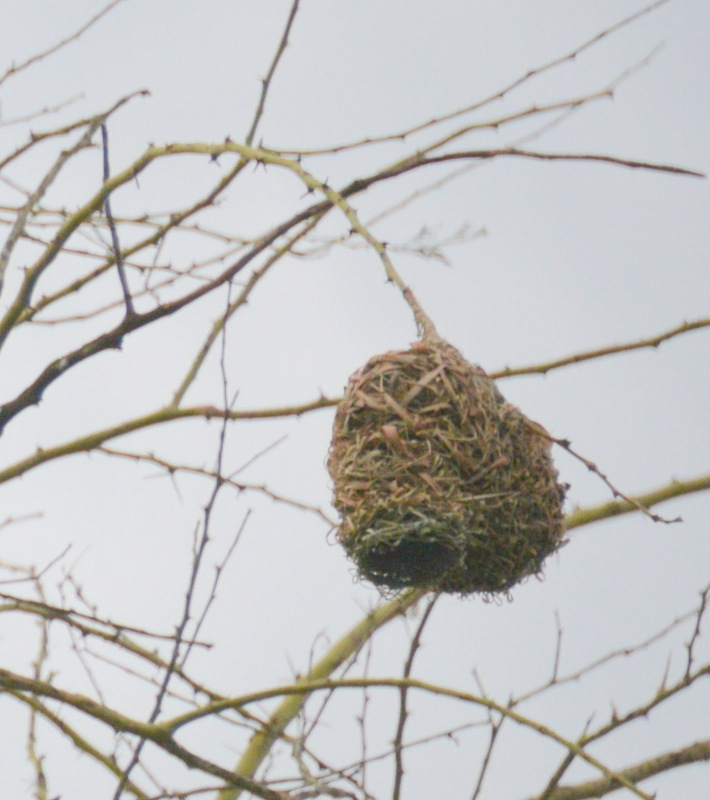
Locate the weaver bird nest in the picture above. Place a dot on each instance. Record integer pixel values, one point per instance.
(440, 483)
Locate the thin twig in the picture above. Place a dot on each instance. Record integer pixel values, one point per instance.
(202, 538)
(23, 215)
(403, 713)
(14, 69)
(495, 726)
(690, 647)
(266, 82)
(82, 744)
(496, 96)
(513, 152)
(362, 719)
(85, 444)
(112, 227)
(239, 302)
(177, 663)
(566, 445)
(559, 680)
(34, 115)
(303, 688)
(260, 745)
(173, 469)
(82, 621)
(599, 787)
(219, 570)
(601, 352)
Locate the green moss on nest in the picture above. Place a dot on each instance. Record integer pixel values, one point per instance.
(439, 481)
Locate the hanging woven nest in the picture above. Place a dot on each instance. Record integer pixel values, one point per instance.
(440, 483)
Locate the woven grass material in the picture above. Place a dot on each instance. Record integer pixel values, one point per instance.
(440, 483)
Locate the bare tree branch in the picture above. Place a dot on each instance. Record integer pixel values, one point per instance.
(14, 69)
(290, 707)
(402, 721)
(586, 516)
(602, 352)
(692, 754)
(266, 82)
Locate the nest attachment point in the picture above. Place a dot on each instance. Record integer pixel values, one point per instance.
(440, 483)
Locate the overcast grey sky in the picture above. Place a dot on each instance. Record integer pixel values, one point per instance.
(570, 256)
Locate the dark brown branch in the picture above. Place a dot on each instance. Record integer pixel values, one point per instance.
(112, 227)
(33, 274)
(513, 152)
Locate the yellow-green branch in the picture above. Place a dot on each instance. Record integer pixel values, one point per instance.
(296, 695)
(601, 352)
(82, 744)
(699, 751)
(290, 707)
(85, 444)
(585, 516)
